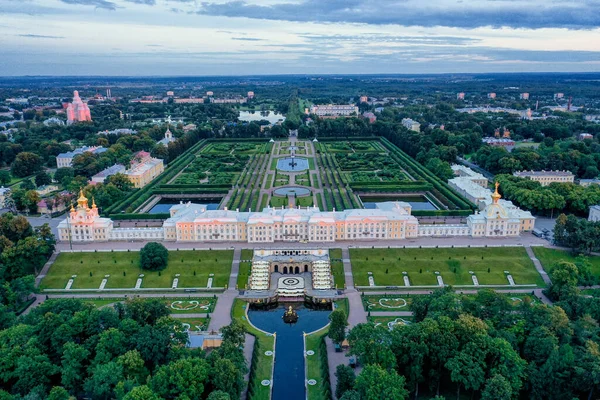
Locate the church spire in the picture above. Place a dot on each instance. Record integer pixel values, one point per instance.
(82, 201)
(496, 196)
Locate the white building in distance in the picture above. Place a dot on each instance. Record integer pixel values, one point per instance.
(594, 213)
(333, 110)
(546, 177)
(64, 160)
(411, 124)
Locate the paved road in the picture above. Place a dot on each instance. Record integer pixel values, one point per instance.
(538, 265)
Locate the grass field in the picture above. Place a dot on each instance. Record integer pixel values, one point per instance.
(245, 267)
(191, 305)
(386, 320)
(391, 302)
(103, 302)
(196, 324)
(264, 363)
(337, 268)
(194, 268)
(549, 257)
(452, 264)
(313, 365)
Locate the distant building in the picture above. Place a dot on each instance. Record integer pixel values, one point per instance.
(588, 182)
(144, 169)
(583, 136)
(508, 144)
(189, 127)
(120, 131)
(101, 176)
(209, 94)
(232, 100)
(411, 124)
(491, 95)
(78, 111)
(370, 116)
(466, 172)
(64, 160)
(460, 96)
(170, 93)
(54, 121)
(363, 99)
(547, 177)
(334, 110)
(250, 95)
(524, 96)
(4, 192)
(559, 95)
(594, 213)
(379, 109)
(46, 189)
(191, 100)
(167, 139)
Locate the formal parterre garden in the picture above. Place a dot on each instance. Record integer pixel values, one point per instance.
(455, 265)
(378, 166)
(192, 268)
(213, 169)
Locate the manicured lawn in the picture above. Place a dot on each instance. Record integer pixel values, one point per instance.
(196, 324)
(278, 201)
(337, 268)
(385, 320)
(103, 302)
(549, 257)
(452, 264)
(304, 201)
(264, 363)
(391, 302)
(314, 367)
(269, 181)
(191, 305)
(194, 268)
(311, 163)
(245, 267)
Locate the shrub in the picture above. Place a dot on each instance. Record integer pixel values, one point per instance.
(154, 257)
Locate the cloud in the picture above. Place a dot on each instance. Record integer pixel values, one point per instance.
(380, 38)
(146, 2)
(248, 39)
(105, 4)
(534, 14)
(30, 35)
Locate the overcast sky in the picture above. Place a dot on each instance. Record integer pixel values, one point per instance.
(221, 37)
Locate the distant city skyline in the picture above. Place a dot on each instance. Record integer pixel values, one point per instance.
(264, 37)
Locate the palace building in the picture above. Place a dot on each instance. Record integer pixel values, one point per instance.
(388, 221)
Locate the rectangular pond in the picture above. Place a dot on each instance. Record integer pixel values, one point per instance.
(417, 202)
(270, 116)
(165, 205)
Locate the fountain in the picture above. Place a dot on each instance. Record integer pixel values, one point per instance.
(290, 316)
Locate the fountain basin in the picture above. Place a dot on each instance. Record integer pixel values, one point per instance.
(285, 164)
(292, 190)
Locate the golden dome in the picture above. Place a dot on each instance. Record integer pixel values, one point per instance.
(82, 201)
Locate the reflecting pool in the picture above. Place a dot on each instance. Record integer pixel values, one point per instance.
(288, 376)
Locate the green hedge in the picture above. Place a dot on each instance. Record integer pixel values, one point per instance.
(123, 216)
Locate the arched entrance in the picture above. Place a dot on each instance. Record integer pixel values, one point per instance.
(276, 268)
(305, 268)
(285, 270)
(297, 270)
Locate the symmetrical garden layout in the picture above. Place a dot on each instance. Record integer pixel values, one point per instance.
(251, 174)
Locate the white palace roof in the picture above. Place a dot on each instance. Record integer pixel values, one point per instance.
(198, 213)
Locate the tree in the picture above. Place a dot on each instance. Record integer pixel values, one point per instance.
(121, 181)
(5, 178)
(351, 395)
(218, 395)
(42, 178)
(141, 393)
(74, 363)
(375, 383)
(27, 184)
(337, 328)
(345, 379)
(26, 164)
(440, 168)
(184, 377)
(31, 200)
(225, 376)
(154, 257)
(103, 380)
(58, 393)
(64, 175)
(497, 388)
